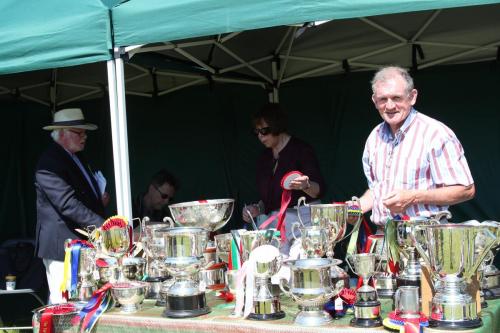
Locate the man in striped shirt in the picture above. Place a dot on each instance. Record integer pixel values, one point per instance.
(414, 164)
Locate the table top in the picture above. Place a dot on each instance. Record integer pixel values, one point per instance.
(219, 320)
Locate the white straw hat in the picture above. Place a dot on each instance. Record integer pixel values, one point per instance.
(70, 118)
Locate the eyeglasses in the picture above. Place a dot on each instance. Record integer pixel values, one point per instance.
(262, 131)
(164, 196)
(80, 134)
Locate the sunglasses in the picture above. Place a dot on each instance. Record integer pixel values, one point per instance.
(164, 196)
(262, 131)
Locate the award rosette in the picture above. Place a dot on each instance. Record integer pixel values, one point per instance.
(115, 236)
(395, 322)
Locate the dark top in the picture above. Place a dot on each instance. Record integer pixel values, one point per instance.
(139, 211)
(295, 156)
(65, 201)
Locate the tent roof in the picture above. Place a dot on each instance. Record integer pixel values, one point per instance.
(52, 33)
(142, 22)
(443, 36)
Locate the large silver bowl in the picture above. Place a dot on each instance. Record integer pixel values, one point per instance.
(208, 214)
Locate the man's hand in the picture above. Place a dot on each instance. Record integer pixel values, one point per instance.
(398, 200)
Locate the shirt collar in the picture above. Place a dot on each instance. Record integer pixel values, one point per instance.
(386, 132)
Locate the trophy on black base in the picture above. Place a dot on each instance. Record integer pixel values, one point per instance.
(367, 306)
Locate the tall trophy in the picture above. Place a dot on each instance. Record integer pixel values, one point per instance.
(410, 276)
(185, 246)
(367, 306)
(310, 286)
(266, 303)
(333, 219)
(82, 261)
(449, 250)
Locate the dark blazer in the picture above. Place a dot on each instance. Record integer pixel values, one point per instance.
(65, 201)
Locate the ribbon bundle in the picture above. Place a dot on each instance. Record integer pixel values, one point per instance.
(101, 300)
(71, 263)
(286, 197)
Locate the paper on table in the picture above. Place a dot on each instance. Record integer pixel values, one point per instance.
(101, 181)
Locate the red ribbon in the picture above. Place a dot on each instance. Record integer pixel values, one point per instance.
(114, 222)
(286, 197)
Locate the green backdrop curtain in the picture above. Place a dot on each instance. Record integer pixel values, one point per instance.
(203, 136)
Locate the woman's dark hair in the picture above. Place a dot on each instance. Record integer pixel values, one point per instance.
(162, 177)
(274, 116)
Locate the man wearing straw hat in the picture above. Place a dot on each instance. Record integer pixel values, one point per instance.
(68, 195)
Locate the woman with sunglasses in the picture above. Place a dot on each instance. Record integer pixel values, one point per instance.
(283, 153)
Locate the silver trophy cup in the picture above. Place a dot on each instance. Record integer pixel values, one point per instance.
(449, 250)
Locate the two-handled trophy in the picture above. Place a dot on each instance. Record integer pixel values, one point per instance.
(333, 219)
(367, 306)
(410, 275)
(451, 253)
(311, 288)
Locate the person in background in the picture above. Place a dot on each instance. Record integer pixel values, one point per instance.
(153, 202)
(414, 164)
(68, 195)
(283, 153)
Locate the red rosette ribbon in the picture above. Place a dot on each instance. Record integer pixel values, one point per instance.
(286, 197)
(411, 325)
(115, 222)
(348, 296)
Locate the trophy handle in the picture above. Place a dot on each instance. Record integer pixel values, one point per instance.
(478, 261)
(285, 288)
(439, 215)
(168, 220)
(301, 202)
(347, 257)
(296, 225)
(419, 248)
(142, 225)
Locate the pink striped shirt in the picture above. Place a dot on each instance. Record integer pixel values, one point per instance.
(424, 154)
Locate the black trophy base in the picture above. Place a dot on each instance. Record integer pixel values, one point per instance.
(493, 293)
(363, 314)
(455, 325)
(267, 316)
(407, 282)
(186, 306)
(362, 322)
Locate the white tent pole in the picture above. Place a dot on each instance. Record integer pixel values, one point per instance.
(113, 109)
(123, 143)
(118, 112)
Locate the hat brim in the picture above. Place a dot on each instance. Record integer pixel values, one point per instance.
(89, 127)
